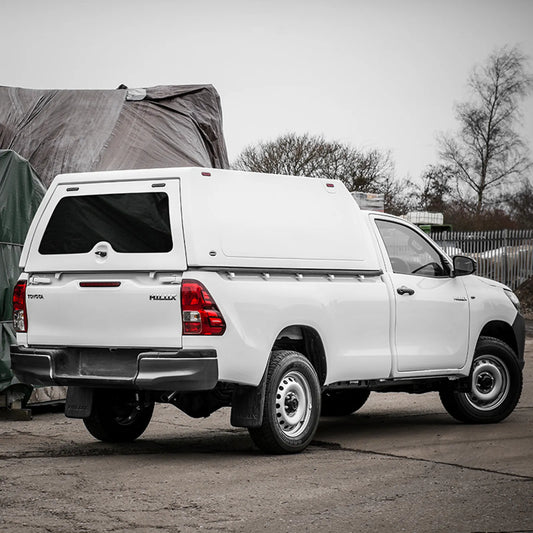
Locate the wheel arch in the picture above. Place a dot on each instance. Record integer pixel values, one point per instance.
(307, 341)
(502, 331)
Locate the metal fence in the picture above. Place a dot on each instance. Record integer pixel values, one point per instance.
(505, 256)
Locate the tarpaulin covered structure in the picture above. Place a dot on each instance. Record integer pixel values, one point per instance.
(21, 192)
(62, 131)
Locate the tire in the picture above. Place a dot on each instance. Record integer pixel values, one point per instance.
(343, 402)
(292, 405)
(118, 415)
(496, 385)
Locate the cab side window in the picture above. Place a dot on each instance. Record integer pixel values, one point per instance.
(409, 252)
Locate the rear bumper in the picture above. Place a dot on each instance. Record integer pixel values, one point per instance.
(180, 370)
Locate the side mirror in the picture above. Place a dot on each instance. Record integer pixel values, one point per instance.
(462, 265)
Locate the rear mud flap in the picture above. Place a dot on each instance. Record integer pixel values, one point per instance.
(247, 405)
(79, 402)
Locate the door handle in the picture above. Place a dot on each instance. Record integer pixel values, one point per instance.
(405, 290)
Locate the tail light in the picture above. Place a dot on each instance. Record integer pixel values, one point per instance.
(20, 316)
(200, 314)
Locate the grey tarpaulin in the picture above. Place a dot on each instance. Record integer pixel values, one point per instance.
(21, 192)
(62, 131)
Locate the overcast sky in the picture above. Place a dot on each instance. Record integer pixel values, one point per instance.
(373, 73)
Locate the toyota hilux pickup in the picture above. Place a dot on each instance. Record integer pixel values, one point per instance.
(273, 295)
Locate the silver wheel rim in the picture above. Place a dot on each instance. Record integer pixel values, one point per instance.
(490, 383)
(293, 404)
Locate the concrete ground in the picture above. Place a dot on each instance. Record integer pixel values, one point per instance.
(399, 464)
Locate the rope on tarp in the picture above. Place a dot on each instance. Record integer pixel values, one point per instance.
(12, 244)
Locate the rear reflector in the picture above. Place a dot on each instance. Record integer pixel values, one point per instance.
(99, 283)
(20, 316)
(200, 314)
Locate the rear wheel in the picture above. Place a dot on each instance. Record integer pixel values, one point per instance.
(292, 405)
(343, 402)
(119, 415)
(495, 385)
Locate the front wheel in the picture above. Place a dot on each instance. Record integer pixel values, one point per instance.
(119, 415)
(495, 385)
(292, 405)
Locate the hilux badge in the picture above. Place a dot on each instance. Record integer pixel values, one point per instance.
(163, 296)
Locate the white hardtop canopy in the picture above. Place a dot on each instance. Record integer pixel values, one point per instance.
(235, 219)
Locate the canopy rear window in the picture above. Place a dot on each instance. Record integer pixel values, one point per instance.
(130, 223)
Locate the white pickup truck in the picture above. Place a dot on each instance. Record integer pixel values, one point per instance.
(274, 295)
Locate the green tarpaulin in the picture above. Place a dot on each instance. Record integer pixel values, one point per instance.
(21, 192)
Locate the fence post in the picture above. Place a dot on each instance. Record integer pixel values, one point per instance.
(505, 258)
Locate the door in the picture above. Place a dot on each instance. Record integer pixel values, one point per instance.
(431, 307)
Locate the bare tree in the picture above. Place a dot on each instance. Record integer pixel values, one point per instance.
(487, 152)
(307, 155)
(436, 189)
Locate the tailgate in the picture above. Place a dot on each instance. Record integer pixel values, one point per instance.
(121, 309)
